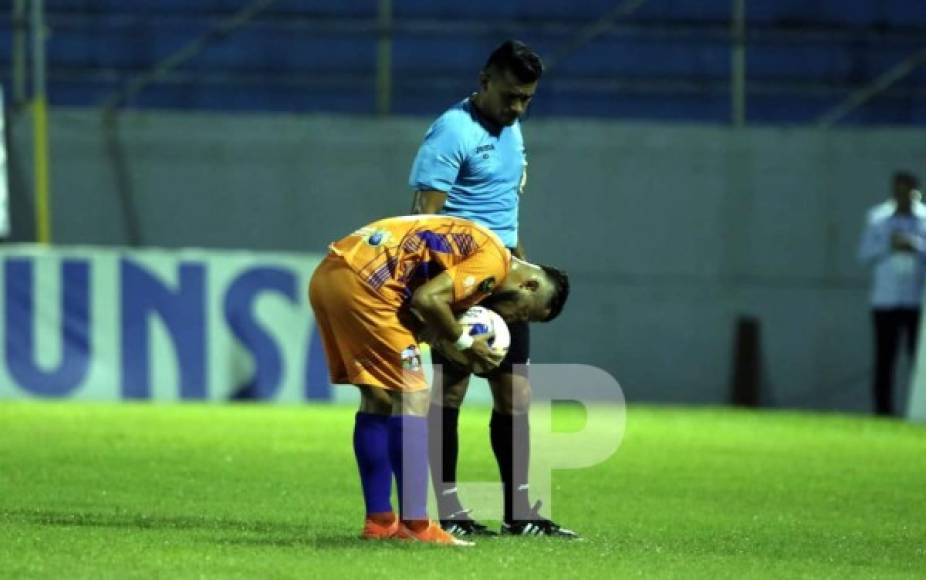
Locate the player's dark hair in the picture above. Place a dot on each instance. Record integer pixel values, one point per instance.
(907, 178)
(517, 58)
(560, 282)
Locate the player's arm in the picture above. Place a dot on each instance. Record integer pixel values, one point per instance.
(428, 201)
(431, 305)
(437, 165)
(518, 252)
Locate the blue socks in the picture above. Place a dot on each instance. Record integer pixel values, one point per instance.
(371, 447)
(410, 461)
(378, 446)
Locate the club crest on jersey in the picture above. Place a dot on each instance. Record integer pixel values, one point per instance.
(487, 285)
(376, 237)
(411, 358)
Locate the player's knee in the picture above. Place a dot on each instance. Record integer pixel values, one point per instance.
(375, 400)
(511, 394)
(453, 391)
(411, 403)
(453, 399)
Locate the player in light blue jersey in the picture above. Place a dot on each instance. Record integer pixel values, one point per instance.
(472, 164)
(471, 167)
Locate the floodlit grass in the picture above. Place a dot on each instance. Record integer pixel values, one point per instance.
(193, 491)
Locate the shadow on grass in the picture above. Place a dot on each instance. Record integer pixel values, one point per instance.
(325, 542)
(147, 522)
(251, 532)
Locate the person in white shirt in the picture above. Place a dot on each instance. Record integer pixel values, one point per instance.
(894, 245)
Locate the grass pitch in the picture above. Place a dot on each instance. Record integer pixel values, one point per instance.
(145, 491)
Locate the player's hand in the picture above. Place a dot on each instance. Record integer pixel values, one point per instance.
(483, 357)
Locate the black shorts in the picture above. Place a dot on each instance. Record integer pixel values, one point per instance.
(518, 354)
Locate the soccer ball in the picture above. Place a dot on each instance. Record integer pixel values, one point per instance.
(479, 320)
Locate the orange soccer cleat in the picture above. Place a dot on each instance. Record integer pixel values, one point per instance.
(430, 533)
(380, 526)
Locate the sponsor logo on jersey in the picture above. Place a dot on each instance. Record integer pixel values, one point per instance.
(376, 237)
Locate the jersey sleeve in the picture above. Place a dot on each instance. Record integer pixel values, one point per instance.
(477, 276)
(439, 158)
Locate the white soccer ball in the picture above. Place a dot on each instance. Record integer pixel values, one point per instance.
(479, 320)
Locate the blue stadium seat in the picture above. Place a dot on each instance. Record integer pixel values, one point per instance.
(670, 60)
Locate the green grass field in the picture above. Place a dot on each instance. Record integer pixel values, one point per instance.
(143, 491)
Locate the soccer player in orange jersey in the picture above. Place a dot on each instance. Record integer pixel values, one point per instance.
(377, 291)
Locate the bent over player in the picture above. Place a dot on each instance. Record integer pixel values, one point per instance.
(376, 291)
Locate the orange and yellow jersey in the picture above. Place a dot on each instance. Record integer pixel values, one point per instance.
(395, 256)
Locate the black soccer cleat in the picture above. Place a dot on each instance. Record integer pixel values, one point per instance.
(461, 526)
(537, 526)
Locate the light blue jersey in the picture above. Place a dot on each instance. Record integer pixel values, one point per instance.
(481, 167)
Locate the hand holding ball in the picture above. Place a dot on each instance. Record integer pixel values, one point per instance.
(476, 322)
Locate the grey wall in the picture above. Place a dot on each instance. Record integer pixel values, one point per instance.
(669, 232)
